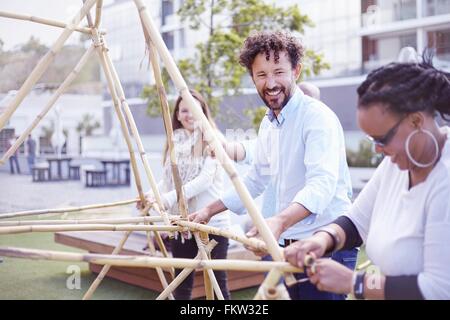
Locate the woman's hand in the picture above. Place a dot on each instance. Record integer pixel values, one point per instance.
(200, 216)
(331, 276)
(296, 252)
(149, 199)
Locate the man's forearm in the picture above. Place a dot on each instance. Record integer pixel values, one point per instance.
(292, 214)
(216, 207)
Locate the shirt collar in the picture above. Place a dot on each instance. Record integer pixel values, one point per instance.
(291, 105)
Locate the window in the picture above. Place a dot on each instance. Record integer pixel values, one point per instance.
(380, 51)
(168, 39)
(182, 41)
(439, 40)
(437, 7)
(166, 10)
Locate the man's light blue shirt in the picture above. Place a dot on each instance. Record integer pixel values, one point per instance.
(300, 155)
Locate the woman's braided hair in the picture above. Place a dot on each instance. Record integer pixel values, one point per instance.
(408, 87)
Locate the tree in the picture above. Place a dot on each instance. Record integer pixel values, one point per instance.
(34, 46)
(215, 68)
(364, 156)
(87, 125)
(16, 64)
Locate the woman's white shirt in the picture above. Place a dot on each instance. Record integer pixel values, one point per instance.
(407, 231)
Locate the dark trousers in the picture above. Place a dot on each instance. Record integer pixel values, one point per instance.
(189, 250)
(30, 160)
(308, 291)
(13, 160)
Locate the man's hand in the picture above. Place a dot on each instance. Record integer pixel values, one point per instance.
(200, 216)
(276, 227)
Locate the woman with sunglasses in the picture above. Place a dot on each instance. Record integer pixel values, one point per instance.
(403, 213)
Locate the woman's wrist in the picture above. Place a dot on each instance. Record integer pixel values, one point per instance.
(325, 240)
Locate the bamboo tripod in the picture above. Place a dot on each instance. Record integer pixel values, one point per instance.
(171, 224)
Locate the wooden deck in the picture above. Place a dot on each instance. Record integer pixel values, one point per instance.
(104, 242)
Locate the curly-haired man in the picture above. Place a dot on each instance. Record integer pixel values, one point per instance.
(299, 150)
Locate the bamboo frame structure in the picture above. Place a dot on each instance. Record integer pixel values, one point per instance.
(214, 141)
(171, 224)
(65, 210)
(210, 281)
(145, 262)
(184, 273)
(211, 284)
(159, 270)
(62, 88)
(44, 63)
(98, 13)
(107, 67)
(48, 22)
(85, 221)
(181, 199)
(89, 227)
(114, 86)
(140, 146)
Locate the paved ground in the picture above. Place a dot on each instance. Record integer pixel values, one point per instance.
(18, 192)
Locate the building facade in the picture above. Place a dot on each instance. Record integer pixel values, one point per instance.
(355, 36)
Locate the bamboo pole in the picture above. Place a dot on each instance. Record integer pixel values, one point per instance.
(213, 140)
(138, 140)
(65, 210)
(43, 64)
(210, 281)
(251, 242)
(145, 262)
(101, 275)
(45, 21)
(181, 199)
(158, 207)
(62, 88)
(98, 13)
(273, 293)
(88, 227)
(184, 273)
(159, 270)
(270, 282)
(101, 52)
(101, 49)
(86, 221)
(272, 279)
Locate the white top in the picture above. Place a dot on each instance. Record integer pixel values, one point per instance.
(407, 232)
(301, 153)
(202, 181)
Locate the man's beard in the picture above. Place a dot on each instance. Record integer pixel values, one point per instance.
(275, 106)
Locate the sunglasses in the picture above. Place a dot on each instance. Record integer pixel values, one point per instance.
(384, 140)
